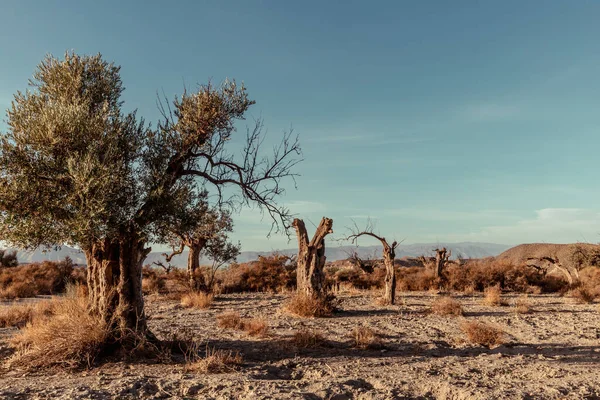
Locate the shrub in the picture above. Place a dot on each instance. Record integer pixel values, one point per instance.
(583, 294)
(255, 326)
(305, 305)
(69, 337)
(18, 315)
(8, 258)
(446, 306)
(230, 320)
(483, 334)
(43, 278)
(216, 361)
(522, 305)
(199, 300)
(268, 274)
(365, 338)
(493, 296)
(307, 338)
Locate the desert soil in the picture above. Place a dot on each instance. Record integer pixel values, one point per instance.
(552, 353)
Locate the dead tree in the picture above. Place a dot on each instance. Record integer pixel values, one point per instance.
(441, 259)
(310, 278)
(389, 254)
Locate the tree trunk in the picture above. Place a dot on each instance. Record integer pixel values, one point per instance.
(196, 279)
(389, 254)
(440, 259)
(310, 278)
(114, 279)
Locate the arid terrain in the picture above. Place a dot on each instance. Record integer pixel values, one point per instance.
(552, 352)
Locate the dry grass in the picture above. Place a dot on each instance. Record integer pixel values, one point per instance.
(216, 361)
(583, 295)
(69, 337)
(230, 320)
(198, 300)
(255, 327)
(307, 338)
(483, 334)
(252, 326)
(522, 305)
(18, 315)
(446, 305)
(493, 297)
(366, 338)
(310, 306)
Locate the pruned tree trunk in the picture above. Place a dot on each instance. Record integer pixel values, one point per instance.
(196, 279)
(441, 258)
(114, 279)
(310, 278)
(389, 254)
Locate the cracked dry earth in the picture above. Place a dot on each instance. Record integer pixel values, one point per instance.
(552, 353)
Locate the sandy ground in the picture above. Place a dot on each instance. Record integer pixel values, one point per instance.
(552, 353)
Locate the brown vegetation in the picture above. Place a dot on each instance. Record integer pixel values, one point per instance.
(252, 326)
(446, 305)
(365, 338)
(522, 305)
(493, 296)
(308, 338)
(198, 300)
(18, 315)
(215, 361)
(305, 305)
(483, 334)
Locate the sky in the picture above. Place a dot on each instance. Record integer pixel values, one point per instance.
(441, 121)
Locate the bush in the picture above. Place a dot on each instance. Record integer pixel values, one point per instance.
(307, 338)
(493, 296)
(230, 320)
(483, 334)
(305, 305)
(215, 361)
(365, 338)
(255, 327)
(446, 306)
(18, 315)
(268, 274)
(69, 337)
(522, 305)
(199, 300)
(583, 295)
(8, 258)
(43, 278)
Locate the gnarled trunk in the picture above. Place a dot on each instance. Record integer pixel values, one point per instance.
(114, 279)
(310, 278)
(441, 258)
(196, 279)
(389, 254)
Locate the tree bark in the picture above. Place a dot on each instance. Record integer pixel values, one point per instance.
(114, 279)
(310, 278)
(441, 257)
(389, 254)
(196, 279)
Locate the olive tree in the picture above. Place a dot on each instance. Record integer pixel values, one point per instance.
(76, 169)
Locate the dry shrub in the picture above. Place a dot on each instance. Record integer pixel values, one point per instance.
(230, 320)
(43, 278)
(216, 361)
(69, 337)
(255, 327)
(416, 279)
(522, 305)
(446, 305)
(365, 338)
(305, 305)
(493, 296)
(198, 300)
(18, 315)
(483, 334)
(307, 338)
(583, 294)
(267, 274)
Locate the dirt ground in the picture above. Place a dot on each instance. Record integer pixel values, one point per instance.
(551, 353)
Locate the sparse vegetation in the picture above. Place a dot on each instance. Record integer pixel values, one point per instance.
(366, 338)
(229, 320)
(446, 305)
(200, 300)
(305, 305)
(583, 294)
(523, 305)
(307, 338)
(483, 334)
(215, 361)
(19, 315)
(255, 326)
(493, 297)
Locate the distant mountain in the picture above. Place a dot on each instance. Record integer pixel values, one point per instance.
(464, 250)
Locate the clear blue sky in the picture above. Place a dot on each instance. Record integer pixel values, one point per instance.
(443, 121)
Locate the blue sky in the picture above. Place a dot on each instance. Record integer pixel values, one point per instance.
(442, 121)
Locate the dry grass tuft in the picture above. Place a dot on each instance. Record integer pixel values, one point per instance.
(255, 327)
(493, 297)
(69, 337)
(446, 306)
(366, 338)
(522, 305)
(18, 315)
(307, 338)
(583, 295)
(198, 300)
(230, 320)
(483, 334)
(216, 361)
(310, 306)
